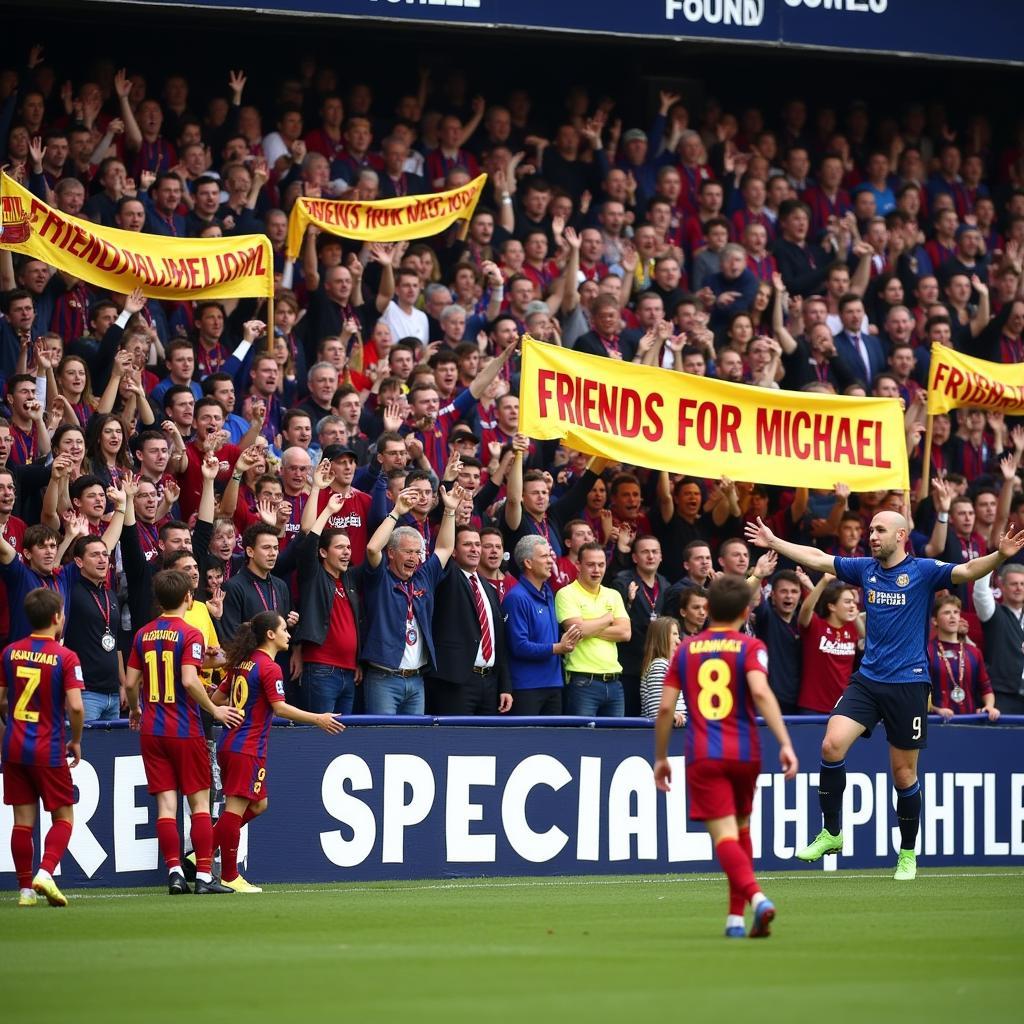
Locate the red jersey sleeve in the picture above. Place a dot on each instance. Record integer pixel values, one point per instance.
(73, 677)
(193, 647)
(757, 657)
(272, 682)
(135, 658)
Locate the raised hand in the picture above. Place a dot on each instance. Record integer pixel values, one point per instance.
(172, 492)
(210, 468)
(407, 498)
(758, 534)
(457, 494)
(236, 83)
(118, 497)
(454, 467)
(392, 416)
(323, 475)
(253, 329)
(1010, 543)
(266, 509)
(766, 565)
(75, 525)
(215, 602)
(61, 466)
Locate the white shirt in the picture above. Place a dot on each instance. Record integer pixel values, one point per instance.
(406, 325)
(835, 325)
(480, 661)
(274, 147)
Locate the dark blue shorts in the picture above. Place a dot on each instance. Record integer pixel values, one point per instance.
(901, 707)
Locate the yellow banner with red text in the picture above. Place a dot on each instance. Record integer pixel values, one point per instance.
(663, 419)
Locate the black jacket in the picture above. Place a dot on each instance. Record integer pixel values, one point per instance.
(456, 630)
(316, 590)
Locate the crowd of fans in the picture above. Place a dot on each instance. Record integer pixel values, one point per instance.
(357, 462)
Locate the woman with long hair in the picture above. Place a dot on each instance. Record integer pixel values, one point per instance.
(660, 647)
(75, 387)
(255, 685)
(107, 448)
(69, 439)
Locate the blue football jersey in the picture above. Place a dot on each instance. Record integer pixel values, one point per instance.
(898, 605)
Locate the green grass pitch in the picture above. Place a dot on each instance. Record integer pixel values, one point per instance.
(846, 946)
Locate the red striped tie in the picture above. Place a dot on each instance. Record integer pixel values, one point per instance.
(486, 648)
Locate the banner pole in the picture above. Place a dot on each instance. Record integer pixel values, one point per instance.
(926, 463)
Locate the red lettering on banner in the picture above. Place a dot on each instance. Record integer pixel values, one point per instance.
(768, 431)
(544, 379)
(880, 461)
(844, 441)
(801, 421)
(654, 430)
(715, 428)
(589, 405)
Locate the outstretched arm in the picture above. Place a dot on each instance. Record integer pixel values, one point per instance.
(810, 558)
(1009, 545)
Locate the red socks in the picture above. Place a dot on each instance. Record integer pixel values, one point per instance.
(57, 840)
(226, 837)
(739, 870)
(737, 902)
(167, 837)
(202, 841)
(249, 815)
(22, 852)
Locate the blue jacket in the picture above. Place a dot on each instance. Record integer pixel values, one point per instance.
(386, 608)
(531, 628)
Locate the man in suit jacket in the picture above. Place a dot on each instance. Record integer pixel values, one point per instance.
(603, 340)
(860, 354)
(394, 181)
(470, 675)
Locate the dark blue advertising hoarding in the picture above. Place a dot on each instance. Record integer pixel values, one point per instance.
(444, 801)
(985, 30)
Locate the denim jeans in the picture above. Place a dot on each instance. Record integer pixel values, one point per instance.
(327, 688)
(390, 694)
(101, 707)
(593, 698)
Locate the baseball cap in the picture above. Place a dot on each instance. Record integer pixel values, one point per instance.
(634, 135)
(339, 451)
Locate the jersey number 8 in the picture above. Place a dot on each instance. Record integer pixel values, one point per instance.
(715, 699)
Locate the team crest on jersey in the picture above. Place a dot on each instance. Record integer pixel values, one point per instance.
(902, 580)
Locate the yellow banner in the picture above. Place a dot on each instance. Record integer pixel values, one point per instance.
(384, 220)
(955, 380)
(662, 419)
(164, 268)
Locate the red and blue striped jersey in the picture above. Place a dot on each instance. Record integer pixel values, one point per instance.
(711, 669)
(37, 672)
(160, 650)
(254, 686)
